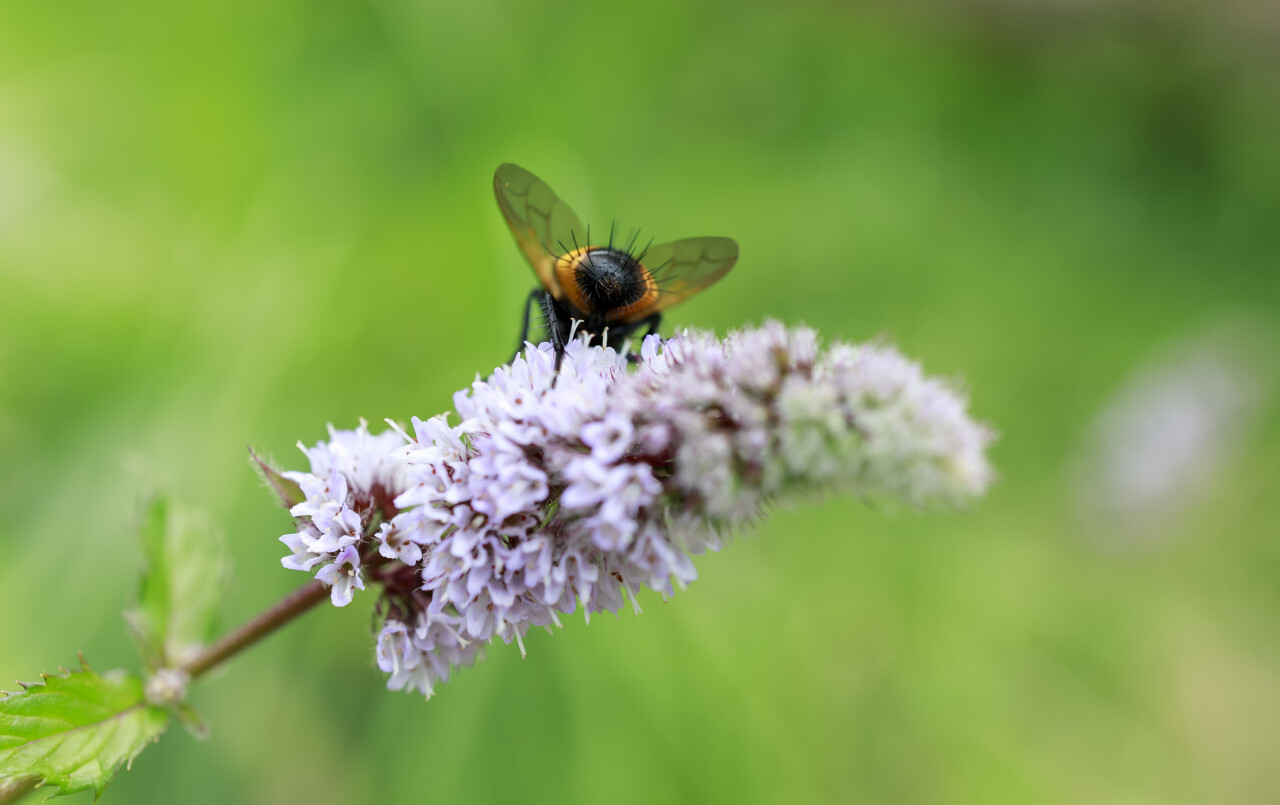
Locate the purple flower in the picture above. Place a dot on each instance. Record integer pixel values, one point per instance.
(343, 575)
(348, 496)
(576, 489)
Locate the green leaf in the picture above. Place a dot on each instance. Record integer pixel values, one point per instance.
(75, 731)
(288, 493)
(183, 583)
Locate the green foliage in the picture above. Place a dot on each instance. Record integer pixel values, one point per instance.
(76, 730)
(182, 585)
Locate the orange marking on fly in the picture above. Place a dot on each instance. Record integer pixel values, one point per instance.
(604, 287)
(607, 283)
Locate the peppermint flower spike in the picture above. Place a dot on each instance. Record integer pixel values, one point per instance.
(582, 486)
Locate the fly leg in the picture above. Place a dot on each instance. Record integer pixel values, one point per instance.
(534, 296)
(652, 322)
(556, 328)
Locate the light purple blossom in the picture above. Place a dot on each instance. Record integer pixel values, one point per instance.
(417, 658)
(343, 576)
(348, 496)
(560, 491)
(1159, 446)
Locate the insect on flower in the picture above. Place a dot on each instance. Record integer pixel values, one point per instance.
(611, 289)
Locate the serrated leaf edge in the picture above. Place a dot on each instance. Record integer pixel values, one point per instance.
(42, 781)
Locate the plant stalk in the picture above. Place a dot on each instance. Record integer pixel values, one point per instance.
(285, 610)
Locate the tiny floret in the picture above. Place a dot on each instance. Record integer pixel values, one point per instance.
(343, 576)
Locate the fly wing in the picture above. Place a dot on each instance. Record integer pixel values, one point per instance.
(684, 267)
(543, 226)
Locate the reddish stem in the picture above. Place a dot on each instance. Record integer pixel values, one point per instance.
(288, 608)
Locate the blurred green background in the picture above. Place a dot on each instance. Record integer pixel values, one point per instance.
(230, 223)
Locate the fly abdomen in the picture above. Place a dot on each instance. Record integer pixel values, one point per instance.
(605, 283)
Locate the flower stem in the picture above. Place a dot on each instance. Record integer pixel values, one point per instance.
(285, 610)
